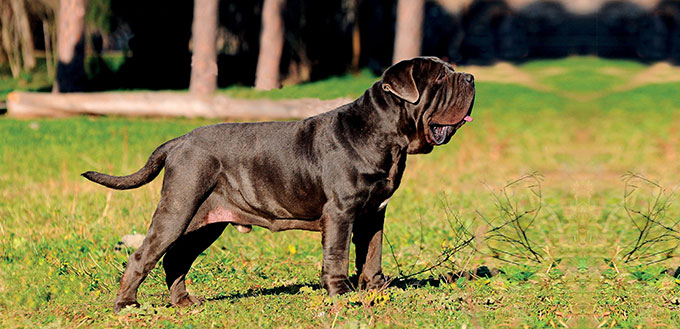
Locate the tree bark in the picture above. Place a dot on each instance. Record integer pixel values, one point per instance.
(47, 39)
(271, 46)
(409, 35)
(7, 37)
(25, 35)
(356, 35)
(70, 75)
(204, 58)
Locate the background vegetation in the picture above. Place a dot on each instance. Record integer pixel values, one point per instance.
(154, 43)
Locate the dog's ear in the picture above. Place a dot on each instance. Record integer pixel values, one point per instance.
(398, 79)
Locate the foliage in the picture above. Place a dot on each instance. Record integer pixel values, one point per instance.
(98, 16)
(37, 81)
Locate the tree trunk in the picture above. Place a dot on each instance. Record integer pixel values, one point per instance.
(7, 37)
(164, 104)
(204, 58)
(271, 46)
(356, 35)
(70, 75)
(409, 34)
(47, 38)
(25, 35)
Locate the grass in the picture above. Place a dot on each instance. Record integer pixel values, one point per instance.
(59, 267)
(38, 80)
(350, 85)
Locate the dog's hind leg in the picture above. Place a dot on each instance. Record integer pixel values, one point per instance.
(187, 183)
(181, 255)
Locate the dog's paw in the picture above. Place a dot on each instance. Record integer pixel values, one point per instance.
(338, 286)
(119, 305)
(340, 289)
(189, 300)
(377, 282)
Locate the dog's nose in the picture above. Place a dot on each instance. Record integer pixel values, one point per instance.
(469, 78)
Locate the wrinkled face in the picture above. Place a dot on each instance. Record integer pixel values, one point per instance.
(438, 99)
(449, 107)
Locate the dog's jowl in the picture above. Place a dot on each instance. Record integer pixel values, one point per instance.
(332, 173)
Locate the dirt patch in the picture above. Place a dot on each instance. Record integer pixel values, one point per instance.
(658, 73)
(550, 71)
(504, 73)
(508, 73)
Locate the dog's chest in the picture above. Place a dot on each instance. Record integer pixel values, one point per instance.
(381, 195)
(383, 191)
(384, 204)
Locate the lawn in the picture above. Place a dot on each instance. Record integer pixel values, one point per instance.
(579, 127)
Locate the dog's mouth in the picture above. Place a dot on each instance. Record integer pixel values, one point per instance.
(440, 134)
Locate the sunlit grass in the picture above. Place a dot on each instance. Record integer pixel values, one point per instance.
(349, 85)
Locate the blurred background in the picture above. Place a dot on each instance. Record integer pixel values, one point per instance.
(91, 45)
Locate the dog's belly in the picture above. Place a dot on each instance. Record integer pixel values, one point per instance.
(218, 209)
(243, 222)
(222, 215)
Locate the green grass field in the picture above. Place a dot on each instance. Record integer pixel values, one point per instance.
(578, 128)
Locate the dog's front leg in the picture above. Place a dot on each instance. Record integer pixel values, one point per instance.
(335, 237)
(367, 238)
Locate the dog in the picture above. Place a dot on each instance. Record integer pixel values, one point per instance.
(334, 173)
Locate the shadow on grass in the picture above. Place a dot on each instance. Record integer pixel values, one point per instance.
(448, 278)
(293, 289)
(290, 289)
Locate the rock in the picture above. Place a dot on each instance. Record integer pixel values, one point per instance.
(133, 241)
(676, 274)
(485, 272)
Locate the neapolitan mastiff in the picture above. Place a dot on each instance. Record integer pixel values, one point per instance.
(333, 173)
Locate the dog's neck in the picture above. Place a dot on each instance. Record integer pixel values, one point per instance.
(399, 114)
(378, 107)
(376, 119)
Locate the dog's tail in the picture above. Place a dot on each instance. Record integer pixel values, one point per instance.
(150, 170)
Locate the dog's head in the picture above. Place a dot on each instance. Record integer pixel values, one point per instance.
(436, 99)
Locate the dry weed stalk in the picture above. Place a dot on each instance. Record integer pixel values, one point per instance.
(506, 239)
(657, 233)
(461, 240)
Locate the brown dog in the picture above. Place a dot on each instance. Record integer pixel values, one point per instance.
(333, 172)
